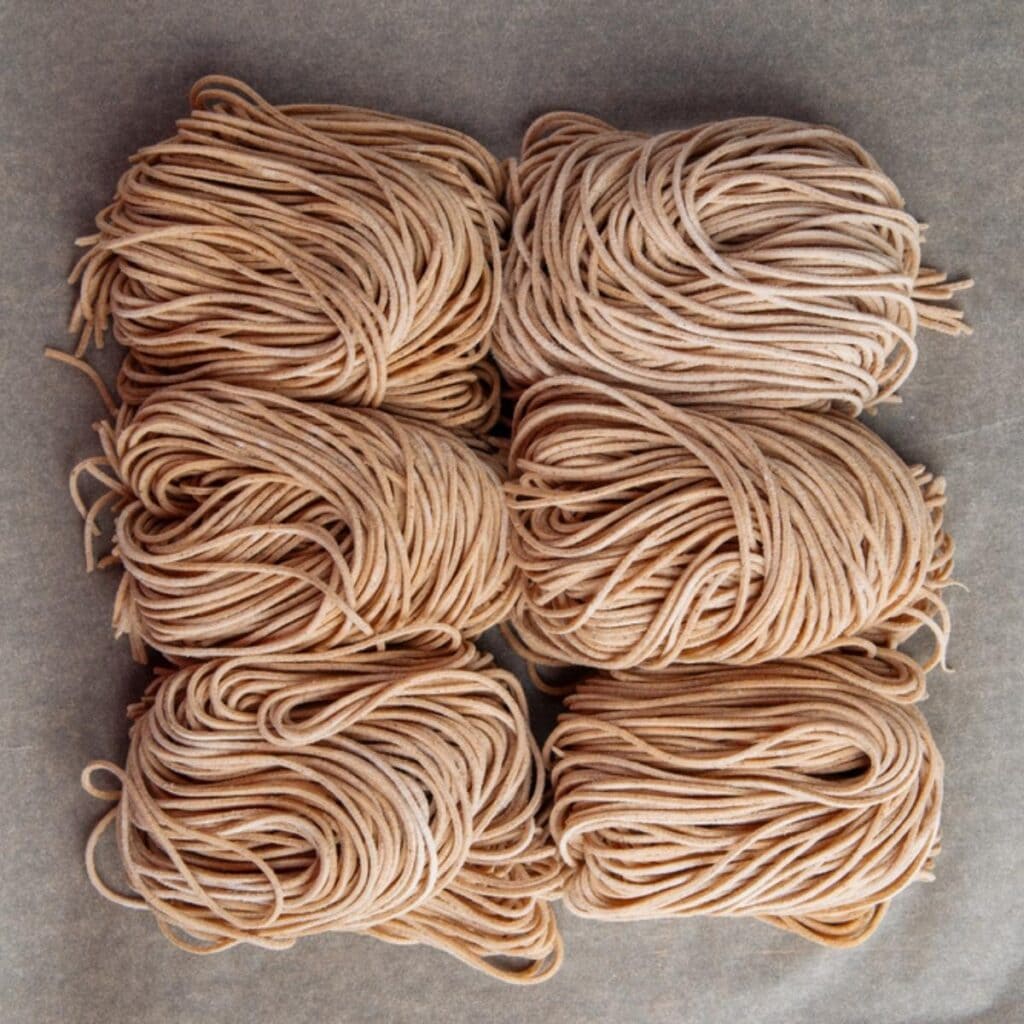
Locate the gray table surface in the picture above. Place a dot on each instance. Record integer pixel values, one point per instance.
(934, 91)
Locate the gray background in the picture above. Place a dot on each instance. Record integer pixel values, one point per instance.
(934, 91)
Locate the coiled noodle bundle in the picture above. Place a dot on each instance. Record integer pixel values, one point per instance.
(250, 523)
(650, 535)
(391, 792)
(784, 792)
(317, 251)
(750, 261)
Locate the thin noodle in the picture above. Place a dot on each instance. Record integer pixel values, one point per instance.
(752, 261)
(650, 535)
(790, 793)
(395, 792)
(250, 523)
(321, 252)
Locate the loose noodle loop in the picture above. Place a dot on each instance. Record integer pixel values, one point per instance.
(650, 535)
(251, 523)
(751, 261)
(391, 792)
(798, 797)
(318, 251)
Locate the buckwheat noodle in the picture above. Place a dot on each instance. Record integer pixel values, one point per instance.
(317, 251)
(249, 523)
(750, 261)
(392, 792)
(650, 535)
(789, 793)
(312, 527)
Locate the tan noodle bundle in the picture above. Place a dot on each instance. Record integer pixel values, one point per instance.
(650, 535)
(321, 252)
(751, 261)
(395, 793)
(251, 523)
(790, 793)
